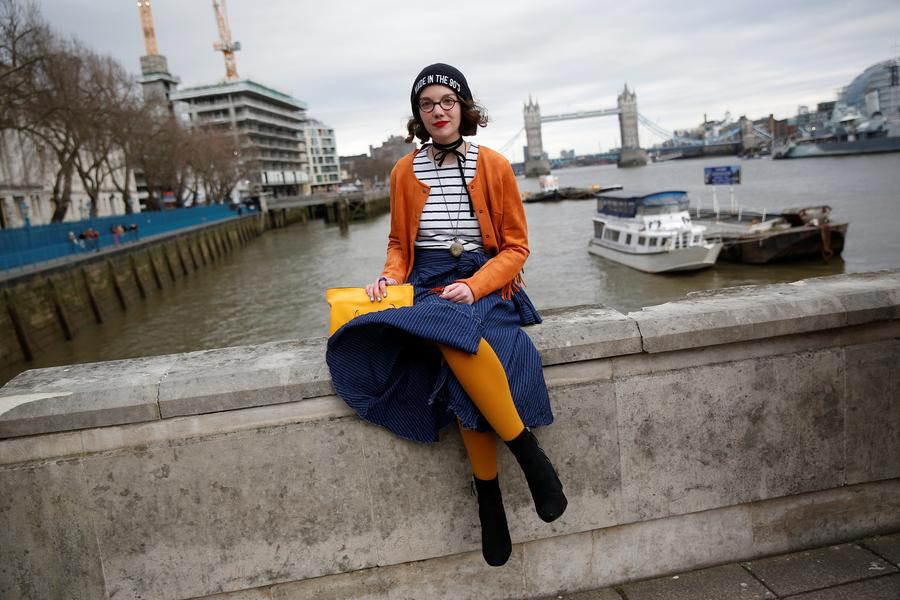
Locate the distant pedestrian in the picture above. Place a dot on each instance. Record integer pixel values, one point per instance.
(114, 230)
(133, 232)
(92, 237)
(74, 243)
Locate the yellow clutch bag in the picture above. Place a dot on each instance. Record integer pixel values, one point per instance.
(348, 303)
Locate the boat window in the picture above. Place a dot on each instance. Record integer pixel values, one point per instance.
(696, 239)
(598, 229)
(628, 239)
(653, 241)
(612, 235)
(642, 240)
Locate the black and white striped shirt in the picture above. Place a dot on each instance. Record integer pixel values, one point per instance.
(446, 214)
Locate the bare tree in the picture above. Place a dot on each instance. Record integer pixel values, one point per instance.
(221, 162)
(165, 160)
(107, 89)
(54, 112)
(64, 98)
(23, 36)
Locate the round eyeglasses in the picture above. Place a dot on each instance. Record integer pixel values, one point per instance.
(447, 103)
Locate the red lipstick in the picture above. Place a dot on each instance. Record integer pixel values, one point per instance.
(441, 123)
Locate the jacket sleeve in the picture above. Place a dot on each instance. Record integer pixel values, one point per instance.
(502, 270)
(394, 264)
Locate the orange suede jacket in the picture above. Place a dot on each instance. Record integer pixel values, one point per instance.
(498, 207)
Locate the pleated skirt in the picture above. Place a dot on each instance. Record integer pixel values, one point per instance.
(387, 367)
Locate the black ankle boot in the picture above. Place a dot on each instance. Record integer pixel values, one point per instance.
(546, 489)
(495, 543)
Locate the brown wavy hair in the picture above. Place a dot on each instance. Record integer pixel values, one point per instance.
(473, 117)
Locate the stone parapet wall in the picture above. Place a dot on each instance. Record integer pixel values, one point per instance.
(721, 427)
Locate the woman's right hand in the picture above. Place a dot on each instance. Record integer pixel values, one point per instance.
(378, 290)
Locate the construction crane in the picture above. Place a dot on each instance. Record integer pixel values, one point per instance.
(225, 45)
(147, 26)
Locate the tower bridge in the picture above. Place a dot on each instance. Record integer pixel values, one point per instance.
(631, 153)
(742, 135)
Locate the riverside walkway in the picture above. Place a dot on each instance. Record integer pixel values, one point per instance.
(26, 250)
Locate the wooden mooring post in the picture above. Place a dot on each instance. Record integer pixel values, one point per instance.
(343, 216)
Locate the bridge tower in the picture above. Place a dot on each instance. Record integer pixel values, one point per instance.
(631, 154)
(535, 163)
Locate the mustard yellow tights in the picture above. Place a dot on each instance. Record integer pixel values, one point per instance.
(484, 380)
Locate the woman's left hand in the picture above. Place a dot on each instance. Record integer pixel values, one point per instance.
(458, 292)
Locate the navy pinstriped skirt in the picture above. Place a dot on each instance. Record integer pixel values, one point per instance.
(386, 367)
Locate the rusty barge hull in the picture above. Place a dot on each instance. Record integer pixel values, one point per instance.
(796, 243)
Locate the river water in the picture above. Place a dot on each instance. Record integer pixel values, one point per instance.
(274, 288)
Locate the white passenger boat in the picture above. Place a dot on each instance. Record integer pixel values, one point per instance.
(652, 233)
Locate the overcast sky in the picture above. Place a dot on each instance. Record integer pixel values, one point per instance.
(353, 61)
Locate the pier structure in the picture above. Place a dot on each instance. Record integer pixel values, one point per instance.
(723, 427)
(630, 155)
(340, 208)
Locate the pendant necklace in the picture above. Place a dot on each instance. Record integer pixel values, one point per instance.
(456, 245)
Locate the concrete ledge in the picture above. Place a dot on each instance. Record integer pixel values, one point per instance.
(132, 391)
(82, 396)
(580, 333)
(223, 379)
(244, 376)
(764, 311)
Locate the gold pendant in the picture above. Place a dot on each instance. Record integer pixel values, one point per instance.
(456, 249)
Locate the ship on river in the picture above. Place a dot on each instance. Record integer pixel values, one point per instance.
(836, 147)
(650, 232)
(864, 119)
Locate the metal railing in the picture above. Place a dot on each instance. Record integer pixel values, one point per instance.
(25, 246)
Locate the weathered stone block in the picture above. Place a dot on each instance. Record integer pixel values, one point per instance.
(367, 584)
(809, 520)
(583, 333)
(48, 548)
(244, 376)
(242, 510)
(873, 412)
(651, 548)
(559, 565)
(82, 396)
(463, 576)
(754, 312)
(583, 445)
(694, 439)
(421, 501)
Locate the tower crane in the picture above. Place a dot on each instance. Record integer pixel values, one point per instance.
(147, 26)
(225, 45)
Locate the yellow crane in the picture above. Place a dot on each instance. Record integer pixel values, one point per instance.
(147, 26)
(225, 45)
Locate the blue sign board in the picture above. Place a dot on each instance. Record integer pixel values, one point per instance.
(722, 175)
